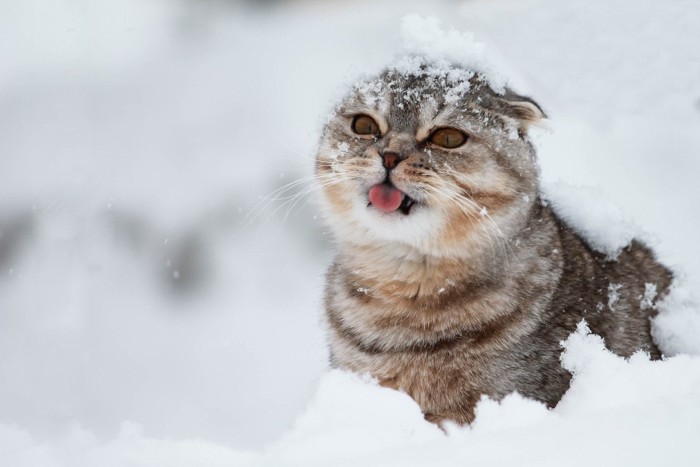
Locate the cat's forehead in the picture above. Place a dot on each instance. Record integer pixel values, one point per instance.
(410, 100)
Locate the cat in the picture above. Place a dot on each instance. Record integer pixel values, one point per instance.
(453, 278)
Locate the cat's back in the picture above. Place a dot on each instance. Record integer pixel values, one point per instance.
(616, 296)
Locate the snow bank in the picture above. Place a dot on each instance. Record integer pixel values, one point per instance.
(676, 329)
(349, 417)
(130, 448)
(593, 216)
(617, 412)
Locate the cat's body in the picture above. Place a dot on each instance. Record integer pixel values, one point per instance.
(468, 286)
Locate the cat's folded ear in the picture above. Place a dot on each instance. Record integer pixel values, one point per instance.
(521, 108)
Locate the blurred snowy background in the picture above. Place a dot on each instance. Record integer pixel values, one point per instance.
(137, 137)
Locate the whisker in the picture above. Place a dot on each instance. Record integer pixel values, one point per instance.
(472, 210)
(291, 194)
(294, 200)
(454, 197)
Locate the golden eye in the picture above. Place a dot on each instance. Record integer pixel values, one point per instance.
(448, 138)
(365, 125)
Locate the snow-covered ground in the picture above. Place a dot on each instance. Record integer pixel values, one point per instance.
(156, 309)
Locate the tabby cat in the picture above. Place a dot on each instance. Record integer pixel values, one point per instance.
(453, 278)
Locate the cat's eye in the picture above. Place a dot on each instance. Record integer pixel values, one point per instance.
(365, 125)
(448, 138)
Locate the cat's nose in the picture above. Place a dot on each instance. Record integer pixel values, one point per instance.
(391, 159)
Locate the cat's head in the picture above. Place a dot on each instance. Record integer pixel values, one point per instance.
(430, 157)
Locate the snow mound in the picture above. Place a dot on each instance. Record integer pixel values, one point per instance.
(424, 41)
(634, 382)
(676, 329)
(352, 416)
(445, 60)
(130, 448)
(601, 223)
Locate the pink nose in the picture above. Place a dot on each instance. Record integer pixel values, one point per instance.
(391, 159)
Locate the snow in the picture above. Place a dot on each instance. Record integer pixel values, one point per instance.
(426, 39)
(135, 140)
(601, 223)
(613, 295)
(677, 324)
(443, 56)
(646, 301)
(617, 412)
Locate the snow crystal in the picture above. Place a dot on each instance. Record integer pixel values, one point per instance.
(372, 91)
(613, 295)
(647, 300)
(340, 150)
(637, 381)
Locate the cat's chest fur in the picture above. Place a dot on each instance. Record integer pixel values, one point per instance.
(446, 379)
(447, 345)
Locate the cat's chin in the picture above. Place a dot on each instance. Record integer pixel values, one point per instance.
(409, 220)
(412, 222)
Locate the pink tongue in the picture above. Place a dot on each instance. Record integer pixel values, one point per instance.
(385, 198)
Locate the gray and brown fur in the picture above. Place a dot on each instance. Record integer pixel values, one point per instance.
(472, 292)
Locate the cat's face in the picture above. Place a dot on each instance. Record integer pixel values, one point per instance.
(433, 159)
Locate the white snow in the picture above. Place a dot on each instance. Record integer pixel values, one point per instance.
(613, 295)
(646, 301)
(426, 39)
(677, 326)
(134, 140)
(624, 412)
(591, 214)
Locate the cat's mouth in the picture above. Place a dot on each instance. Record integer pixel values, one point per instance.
(387, 198)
